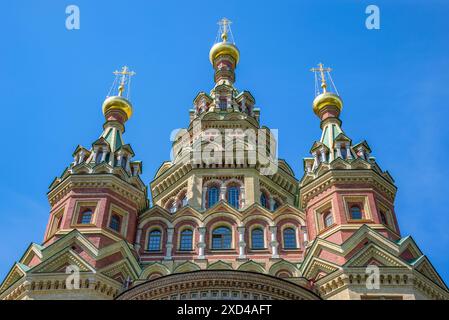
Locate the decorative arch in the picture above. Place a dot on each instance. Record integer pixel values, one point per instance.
(230, 217)
(219, 265)
(252, 266)
(232, 181)
(156, 267)
(158, 218)
(186, 267)
(282, 266)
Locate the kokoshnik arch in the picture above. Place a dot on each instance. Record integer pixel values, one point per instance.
(223, 230)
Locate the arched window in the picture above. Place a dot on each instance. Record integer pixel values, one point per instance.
(212, 196)
(115, 223)
(86, 217)
(328, 219)
(289, 238)
(185, 243)
(234, 196)
(356, 213)
(154, 240)
(264, 200)
(221, 238)
(383, 218)
(257, 239)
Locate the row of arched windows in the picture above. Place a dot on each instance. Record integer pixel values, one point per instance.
(222, 239)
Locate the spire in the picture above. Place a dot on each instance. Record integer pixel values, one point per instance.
(117, 109)
(224, 55)
(327, 106)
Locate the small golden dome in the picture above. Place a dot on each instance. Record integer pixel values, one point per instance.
(326, 99)
(118, 103)
(222, 48)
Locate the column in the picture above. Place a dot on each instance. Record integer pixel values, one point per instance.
(308, 166)
(223, 193)
(242, 243)
(201, 243)
(272, 203)
(169, 244)
(306, 237)
(317, 160)
(273, 243)
(94, 153)
(229, 104)
(338, 144)
(348, 152)
(203, 198)
(244, 104)
(242, 197)
(138, 238)
(323, 154)
(103, 155)
(119, 159)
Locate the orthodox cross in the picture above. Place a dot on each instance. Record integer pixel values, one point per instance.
(321, 69)
(224, 27)
(125, 74)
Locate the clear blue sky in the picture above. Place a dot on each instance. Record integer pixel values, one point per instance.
(393, 82)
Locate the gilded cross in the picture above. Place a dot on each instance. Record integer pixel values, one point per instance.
(124, 74)
(321, 69)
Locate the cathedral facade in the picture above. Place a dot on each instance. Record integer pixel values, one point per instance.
(228, 219)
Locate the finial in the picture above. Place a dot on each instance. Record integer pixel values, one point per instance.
(125, 77)
(321, 69)
(328, 101)
(225, 28)
(114, 103)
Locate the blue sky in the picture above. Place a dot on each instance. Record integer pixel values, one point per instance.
(393, 82)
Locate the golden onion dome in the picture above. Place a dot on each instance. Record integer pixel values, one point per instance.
(118, 103)
(326, 99)
(222, 48)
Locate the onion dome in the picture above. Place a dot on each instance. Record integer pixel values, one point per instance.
(117, 103)
(326, 99)
(224, 47)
